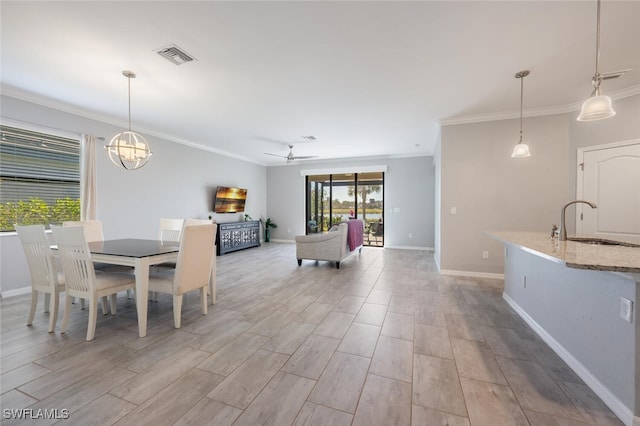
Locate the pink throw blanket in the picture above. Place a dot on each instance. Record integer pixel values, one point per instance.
(355, 233)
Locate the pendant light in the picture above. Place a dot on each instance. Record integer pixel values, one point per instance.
(597, 106)
(129, 150)
(521, 149)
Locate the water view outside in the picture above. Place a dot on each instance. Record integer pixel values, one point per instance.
(335, 198)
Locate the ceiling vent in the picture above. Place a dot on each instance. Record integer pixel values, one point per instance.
(175, 55)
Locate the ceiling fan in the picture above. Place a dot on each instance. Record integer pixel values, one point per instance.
(290, 157)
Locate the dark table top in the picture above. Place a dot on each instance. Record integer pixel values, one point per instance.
(132, 247)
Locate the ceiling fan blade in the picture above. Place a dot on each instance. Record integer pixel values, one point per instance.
(304, 157)
(614, 74)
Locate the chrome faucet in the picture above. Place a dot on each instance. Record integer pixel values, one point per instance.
(563, 231)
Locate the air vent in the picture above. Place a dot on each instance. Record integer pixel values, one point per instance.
(175, 55)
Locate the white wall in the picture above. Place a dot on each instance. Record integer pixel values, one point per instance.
(493, 191)
(409, 187)
(179, 181)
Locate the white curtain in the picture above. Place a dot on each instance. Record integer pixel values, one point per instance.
(88, 184)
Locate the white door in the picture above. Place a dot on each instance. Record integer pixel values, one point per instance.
(611, 179)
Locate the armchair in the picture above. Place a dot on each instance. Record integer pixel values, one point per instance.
(338, 244)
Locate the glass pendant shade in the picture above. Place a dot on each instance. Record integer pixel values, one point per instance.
(521, 150)
(129, 150)
(596, 108)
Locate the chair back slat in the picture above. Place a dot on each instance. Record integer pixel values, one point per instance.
(170, 230)
(195, 258)
(75, 258)
(37, 249)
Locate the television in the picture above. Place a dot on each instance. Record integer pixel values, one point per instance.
(229, 200)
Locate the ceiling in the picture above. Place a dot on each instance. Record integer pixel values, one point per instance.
(364, 78)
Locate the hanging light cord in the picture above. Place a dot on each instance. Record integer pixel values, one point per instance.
(129, 93)
(597, 78)
(521, 96)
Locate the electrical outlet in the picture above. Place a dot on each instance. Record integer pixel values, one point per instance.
(626, 309)
(485, 254)
(410, 235)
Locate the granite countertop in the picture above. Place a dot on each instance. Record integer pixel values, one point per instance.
(572, 253)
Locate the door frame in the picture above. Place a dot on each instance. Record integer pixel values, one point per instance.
(580, 172)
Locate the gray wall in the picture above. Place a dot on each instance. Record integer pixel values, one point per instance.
(409, 187)
(493, 191)
(179, 181)
(591, 330)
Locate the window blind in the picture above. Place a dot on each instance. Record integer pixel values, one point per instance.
(38, 165)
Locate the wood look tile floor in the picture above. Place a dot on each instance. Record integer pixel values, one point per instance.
(384, 340)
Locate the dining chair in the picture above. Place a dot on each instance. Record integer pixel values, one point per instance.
(92, 229)
(193, 268)
(46, 278)
(81, 279)
(170, 229)
(93, 232)
(212, 281)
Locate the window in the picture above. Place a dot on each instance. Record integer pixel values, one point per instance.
(334, 198)
(39, 178)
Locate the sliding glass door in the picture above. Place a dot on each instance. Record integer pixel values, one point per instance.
(335, 198)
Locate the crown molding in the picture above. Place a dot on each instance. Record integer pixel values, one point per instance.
(534, 112)
(31, 97)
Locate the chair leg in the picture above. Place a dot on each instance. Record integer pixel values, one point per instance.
(114, 302)
(105, 311)
(68, 300)
(34, 305)
(212, 290)
(177, 310)
(82, 304)
(204, 300)
(53, 309)
(47, 300)
(93, 318)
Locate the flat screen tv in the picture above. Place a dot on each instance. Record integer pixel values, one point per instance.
(229, 200)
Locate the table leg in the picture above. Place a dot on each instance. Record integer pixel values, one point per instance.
(142, 293)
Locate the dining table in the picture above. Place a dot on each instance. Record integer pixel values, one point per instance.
(139, 254)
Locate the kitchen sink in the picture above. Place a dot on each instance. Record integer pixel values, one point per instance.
(602, 242)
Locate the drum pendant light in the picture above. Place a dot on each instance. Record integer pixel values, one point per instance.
(521, 149)
(129, 150)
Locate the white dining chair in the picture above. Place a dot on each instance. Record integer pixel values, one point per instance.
(46, 278)
(92, 229)
(212, 281)
(193, 268)
(170, 230)
(81, 279)
(93, 232)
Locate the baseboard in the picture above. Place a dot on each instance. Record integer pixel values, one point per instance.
(409, 248)
(16, 292)
(472, 274)
(620, 410)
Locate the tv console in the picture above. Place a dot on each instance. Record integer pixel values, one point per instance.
(234, 236)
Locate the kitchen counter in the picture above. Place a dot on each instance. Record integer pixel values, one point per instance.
(572, 295)
(574, 254)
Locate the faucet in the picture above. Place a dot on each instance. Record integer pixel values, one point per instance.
(563, 231)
